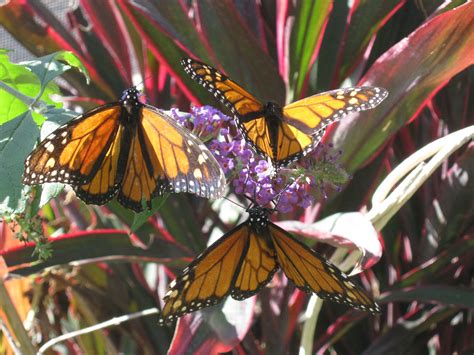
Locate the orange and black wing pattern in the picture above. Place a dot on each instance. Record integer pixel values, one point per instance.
(249, 112)
(311, 272)
(313, 113)
(284, 134)
(245, 259)
(164, 156)
(239, 264)
(125, 148)
(73, 153)
(227, 91)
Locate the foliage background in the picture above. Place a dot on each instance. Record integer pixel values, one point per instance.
(418, 50)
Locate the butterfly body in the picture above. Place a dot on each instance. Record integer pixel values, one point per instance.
(273, 116)
(128, 149)
(245, 259)
(283, 133)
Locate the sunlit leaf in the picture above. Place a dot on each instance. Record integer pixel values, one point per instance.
(412, 71)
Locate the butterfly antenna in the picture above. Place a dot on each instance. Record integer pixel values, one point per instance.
(149, 76)
(235, 203)
(278, 195)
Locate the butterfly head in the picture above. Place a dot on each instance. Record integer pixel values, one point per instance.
(258, 218)
(273, 111)
(130, 99)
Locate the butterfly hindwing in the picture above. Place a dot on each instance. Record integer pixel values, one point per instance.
(258, 135)
(313, 273)
(257, 267)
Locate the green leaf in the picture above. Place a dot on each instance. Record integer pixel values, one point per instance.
(449, 295)
(177, 218)
(145, 20)
(310, 21)
(18, 138)
(140, 218)
(51, 66)
(74, 247)
(16, 143)
(367, 18)
(25, 86)
(323, 72)
(433, 267)
(15, 78)
(453, 195)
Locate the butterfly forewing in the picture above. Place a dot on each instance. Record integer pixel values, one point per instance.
(104, 185)
(237, 99)
(316, 112)
(313, 273)
(183, 159)
(209, 278)
(73, 152)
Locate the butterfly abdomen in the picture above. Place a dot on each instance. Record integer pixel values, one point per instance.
(273, 114)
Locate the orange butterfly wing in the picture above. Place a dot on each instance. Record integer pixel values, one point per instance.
(105, 182)
(165, 157)
(313, 113)
(75, 151)
(239, 264)
(129, 148)
(227, 91)
(283, 134)
(247, 109)
(313, 273)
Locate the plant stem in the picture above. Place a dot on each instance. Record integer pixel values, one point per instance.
(25, 99)
(6, 304)
(411, 174)
(111, 322)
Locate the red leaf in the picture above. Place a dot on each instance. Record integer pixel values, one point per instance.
(413, 71)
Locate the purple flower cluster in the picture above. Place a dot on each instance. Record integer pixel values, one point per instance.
(248, 172)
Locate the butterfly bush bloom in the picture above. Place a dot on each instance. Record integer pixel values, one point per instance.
(251, 174)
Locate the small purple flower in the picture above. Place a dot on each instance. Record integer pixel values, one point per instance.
(265, 193)
(226, 148)
(263, 170)
(227, 164)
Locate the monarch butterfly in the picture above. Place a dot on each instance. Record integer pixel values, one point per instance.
(125, 148)
(283, 134)
(245, 259)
